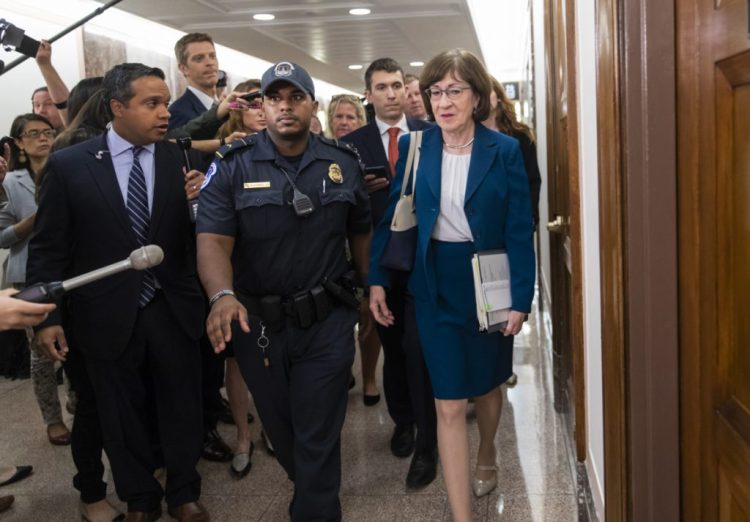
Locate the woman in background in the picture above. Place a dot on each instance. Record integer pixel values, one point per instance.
(347, 114)
(503, 119)
(249, 120)
(32, 140)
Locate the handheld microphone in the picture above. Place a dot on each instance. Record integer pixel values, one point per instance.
(185, 143)
(140, 259)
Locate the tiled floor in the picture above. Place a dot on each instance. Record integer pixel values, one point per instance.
(535, 484)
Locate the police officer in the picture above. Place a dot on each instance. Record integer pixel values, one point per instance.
(276, 211)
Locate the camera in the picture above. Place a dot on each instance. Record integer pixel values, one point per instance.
(14, 38)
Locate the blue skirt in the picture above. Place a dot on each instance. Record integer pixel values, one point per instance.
(462, 362)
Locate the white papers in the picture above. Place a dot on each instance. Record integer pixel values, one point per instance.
(491, 289)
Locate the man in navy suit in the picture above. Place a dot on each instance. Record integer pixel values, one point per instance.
(196, 59)
(139, 330)
(408, 392)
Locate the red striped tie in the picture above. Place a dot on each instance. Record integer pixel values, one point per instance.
(393, 148)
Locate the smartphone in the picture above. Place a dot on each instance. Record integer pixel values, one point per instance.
(252, 96)
(378, 170)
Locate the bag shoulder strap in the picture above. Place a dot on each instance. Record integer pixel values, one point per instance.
(415, 140)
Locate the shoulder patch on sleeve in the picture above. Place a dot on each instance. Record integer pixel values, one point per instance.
(230, 148)
(209, 174)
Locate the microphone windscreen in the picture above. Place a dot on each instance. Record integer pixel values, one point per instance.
(146, 257)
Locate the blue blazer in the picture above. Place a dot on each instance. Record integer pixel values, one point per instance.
(184, 109)
(497, 207)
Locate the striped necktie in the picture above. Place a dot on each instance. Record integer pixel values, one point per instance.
(139, 219)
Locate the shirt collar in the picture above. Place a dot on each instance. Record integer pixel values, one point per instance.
(118, 145)
(383, 126)
(204, 98)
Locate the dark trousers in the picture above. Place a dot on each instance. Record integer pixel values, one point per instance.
(86, 443)
(149, 402)
(408, 392)
(301, 399)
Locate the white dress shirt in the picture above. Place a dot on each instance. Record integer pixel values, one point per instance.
(122, 159)
(452, 225)
(204, 98)
(383, 127)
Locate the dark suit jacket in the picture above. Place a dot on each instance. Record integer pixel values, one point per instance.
(370, 147)
(184, 109)
(497, 206)
(82, 224)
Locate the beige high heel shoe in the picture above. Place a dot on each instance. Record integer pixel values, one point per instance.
(482, 487)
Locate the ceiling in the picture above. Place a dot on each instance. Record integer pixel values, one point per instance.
(321, 35)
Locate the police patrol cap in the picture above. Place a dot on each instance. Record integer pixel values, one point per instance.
(288, 72)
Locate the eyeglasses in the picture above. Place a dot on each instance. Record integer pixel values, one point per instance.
(34, 134)
(452, 93)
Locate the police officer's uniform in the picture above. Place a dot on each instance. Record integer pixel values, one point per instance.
(299, 382)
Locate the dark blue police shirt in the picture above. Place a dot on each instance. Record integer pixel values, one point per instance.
(247, 196)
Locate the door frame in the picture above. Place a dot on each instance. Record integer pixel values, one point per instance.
(637, 141)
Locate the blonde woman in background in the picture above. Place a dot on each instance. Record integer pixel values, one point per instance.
(347, 114)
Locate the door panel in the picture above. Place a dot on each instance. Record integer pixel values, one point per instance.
(564, 205)
(714, 191)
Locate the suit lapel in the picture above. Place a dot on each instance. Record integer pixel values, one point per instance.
(482, 156)
(375, 144)
(431, 161)
(99, 164)
(27, 182)
(163, 165)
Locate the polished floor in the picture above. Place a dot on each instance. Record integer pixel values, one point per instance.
(536, 483)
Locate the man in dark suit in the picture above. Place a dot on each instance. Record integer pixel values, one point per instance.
(408, 392)
(139, 330)
(196, 59)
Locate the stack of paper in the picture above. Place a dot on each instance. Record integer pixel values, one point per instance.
(492, 289)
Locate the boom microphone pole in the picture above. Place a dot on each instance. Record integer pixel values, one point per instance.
(140, 259)
(59, 35)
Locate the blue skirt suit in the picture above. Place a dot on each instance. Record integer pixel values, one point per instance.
(462, 362)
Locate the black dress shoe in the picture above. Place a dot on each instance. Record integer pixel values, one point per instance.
(214, 448)
(422, 471)
(21, 473)
(402, 441)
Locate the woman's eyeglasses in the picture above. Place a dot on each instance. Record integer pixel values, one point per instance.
(35, 134)
(451, 92)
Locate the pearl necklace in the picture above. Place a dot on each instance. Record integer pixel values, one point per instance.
(467, 144)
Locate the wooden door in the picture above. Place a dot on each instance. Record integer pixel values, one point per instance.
(713, 118)
(564, 227)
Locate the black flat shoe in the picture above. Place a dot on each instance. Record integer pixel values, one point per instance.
(241, 463)
(214, 448)
(422, 471)
(370, 400)
(21, 473)
(402, 440)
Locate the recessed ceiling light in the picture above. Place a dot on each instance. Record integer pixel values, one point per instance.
(355, 67)
(264, 17)
(416, 64)
(359, 11)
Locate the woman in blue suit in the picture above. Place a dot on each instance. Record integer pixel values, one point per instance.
(471, 195)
